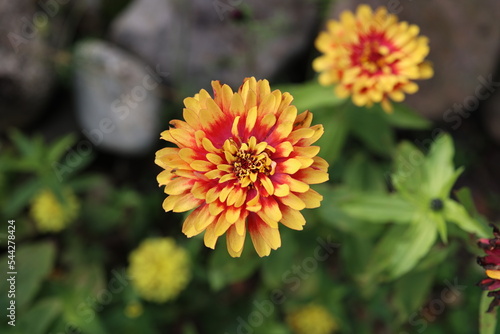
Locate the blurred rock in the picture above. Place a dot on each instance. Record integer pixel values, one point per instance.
(116, 98)
(26, 72)
(464, 41)
(199, 41)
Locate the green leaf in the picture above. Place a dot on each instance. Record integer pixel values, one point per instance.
(274, 327)
(362, 174)
(64, 170)
(55, 187)
(464, 196)
(406, 118)
(411, 291)
(21, 196)
(86, 182)
(456, 213)
(439, 255)
(33, 263)
(440, 222)
(378, 208)
(117, 321)
(38, 319)
(336, 125)
(332, 213)
(23, 143)
(446, 188)
(311, 95)
(381, 254)
(82, 324)
(439, 166)
(56, 151)
(414, 244)
(90, 279)
(487, 321)
(356, 252)
(409, 173)
(224, 270)
(86, 296)
(401, 248)
(189, 328)
(277, 263)
(373, 129)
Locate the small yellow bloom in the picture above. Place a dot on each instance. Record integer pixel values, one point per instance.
(159, 269)
(244, 162)
(312, 319)
(133, 309)
(372, 57)
(52, 215)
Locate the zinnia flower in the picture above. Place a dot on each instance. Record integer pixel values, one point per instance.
(159, 269)
(372, 57)
(491, 262)
(312, 319)
(243, 162)
(51, 214)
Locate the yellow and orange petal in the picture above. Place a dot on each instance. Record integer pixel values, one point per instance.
(372, 57)
(244, 163)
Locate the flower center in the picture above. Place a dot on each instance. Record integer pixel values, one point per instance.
(248, 165)
(249, 160)
(370, 54)
(371, 57)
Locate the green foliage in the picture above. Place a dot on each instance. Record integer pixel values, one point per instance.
(34, 165)
(377, 208)
(38, 319)
(487, 321)
(222, 270)
(419, 182)
(34, 263)
(311, 96)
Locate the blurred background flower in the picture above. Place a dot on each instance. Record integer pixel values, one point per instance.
(372, 57)
(159, 269)
(312, 319)
(52, 214)
(134, 309)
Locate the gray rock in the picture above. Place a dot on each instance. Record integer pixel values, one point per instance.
(199, 41)
(464, 45)
(117, 98)
(26, 72)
